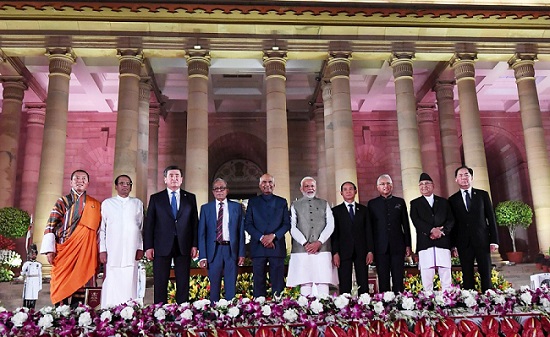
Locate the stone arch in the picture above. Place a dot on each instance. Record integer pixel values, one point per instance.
(509, 178)
(241, 156)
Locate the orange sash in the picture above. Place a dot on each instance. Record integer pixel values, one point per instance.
(76, 260)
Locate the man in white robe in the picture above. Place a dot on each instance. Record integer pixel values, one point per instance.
(120, 244)
(311, 225)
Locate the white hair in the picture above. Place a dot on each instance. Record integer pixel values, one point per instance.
(386, 176)
(307, 178)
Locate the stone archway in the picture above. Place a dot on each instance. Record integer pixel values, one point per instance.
(509, 177)
(241, 176)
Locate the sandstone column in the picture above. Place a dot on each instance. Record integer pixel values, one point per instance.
(142, 169)
(345, 166)
(51, 184)
(196, 168)
(126, 143)
(535, 144)
(10, 126)
(472, 137)
(276, 121)
(409, 145)
(449, 137)
(321, 158)
(153, 175)
(428, 143)
(332, 192)
(33, 147)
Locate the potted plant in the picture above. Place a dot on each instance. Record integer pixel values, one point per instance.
(514, 214)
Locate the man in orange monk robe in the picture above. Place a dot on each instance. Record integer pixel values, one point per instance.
(70, 240)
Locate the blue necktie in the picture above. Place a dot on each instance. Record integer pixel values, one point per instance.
(468, 200)
(351, 212)
(174, 204)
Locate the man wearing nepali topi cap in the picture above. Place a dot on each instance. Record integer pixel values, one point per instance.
(433, 219)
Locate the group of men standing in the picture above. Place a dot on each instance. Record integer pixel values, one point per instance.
(327, 243)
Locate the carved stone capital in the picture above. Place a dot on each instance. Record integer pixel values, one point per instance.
(275, 64)
(198, 63)
(402, 64)
(14, 87)
(463, 65)
(444, 90)
(61, 61)
(523, 65)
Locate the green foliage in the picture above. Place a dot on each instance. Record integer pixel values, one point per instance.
(413, 283)
(514, 214)
(14, 222)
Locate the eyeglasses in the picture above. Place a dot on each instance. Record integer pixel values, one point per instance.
(124, 183)
(425, 183)
(384, 184)
(218, 189)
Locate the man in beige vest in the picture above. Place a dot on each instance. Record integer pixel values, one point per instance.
(311, 225)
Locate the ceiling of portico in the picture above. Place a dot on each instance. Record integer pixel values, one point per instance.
(236, 39)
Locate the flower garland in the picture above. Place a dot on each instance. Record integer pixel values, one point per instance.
(403, 314)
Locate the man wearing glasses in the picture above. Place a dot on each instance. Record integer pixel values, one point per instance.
(120, 244)
(267, 220)
(433, 219)
(392, 235)
(221, 241)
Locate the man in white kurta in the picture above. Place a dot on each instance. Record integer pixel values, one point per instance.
(311, 225)
(120, 244)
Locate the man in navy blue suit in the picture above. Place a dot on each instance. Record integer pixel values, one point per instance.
(170, 232)
(221, 241)
(267, 220)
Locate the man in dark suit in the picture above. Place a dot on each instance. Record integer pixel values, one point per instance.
(432, 217)
(267, 221)
(221, 241)
(475, 231)
(170, 232)
(392, 235)
(352, 243)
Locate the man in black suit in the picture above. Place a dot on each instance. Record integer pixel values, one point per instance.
(352, 244)
(170, 232)
(392, 235)
(475, 231)
(432, 217)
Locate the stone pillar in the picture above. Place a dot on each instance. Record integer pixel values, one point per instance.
(10, 126)
(153, 174)
(429, 150)
(321, 158)
(142, 168)
(31, 163)
(472, 137)
(345, 167)
(51, 184)
(332, 192)
(276, 121)
(535, 144)
(449, 136)
(126, 142)
(409, 145)
(196, 168)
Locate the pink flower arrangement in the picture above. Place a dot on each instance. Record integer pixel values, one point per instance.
(376, 312)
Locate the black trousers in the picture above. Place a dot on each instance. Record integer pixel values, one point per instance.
(361, 274)
(161, 270)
